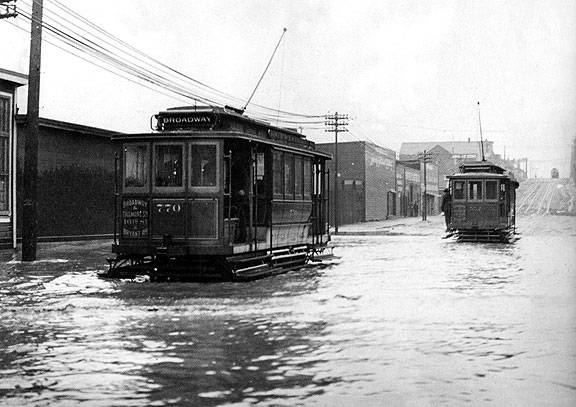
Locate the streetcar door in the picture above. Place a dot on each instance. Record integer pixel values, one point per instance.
(205, 192)
(239, 188)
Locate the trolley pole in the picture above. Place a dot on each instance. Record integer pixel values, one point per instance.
(29, 213)
(336, 124)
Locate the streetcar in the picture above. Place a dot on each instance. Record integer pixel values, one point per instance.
(483, 203)
(213, 194)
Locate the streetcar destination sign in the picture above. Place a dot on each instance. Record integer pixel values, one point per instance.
(185, 121)
(135, 218)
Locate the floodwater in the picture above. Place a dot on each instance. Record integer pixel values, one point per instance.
(398, 319)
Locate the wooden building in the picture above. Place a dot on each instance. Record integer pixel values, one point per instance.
(75, 179)
(9, 82)
(408, 187)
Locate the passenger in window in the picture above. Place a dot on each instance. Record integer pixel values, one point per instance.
(209, 174)
(170, 174)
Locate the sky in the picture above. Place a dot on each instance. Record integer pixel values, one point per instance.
(403, 71)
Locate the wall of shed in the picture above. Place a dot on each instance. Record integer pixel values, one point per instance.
(75, 183)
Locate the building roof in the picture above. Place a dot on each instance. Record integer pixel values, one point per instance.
(453, 147)
(415, 163)
(77, 128)
(15, 77)
(366, 144)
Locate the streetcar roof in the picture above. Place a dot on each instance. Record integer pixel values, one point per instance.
(219, 135)
(483, 175)
(478, 175)
(212, 122)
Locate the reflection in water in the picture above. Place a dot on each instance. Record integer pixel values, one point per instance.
(395, 320)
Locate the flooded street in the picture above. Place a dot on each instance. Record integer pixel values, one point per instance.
(402, 318)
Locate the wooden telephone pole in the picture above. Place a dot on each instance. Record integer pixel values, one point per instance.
(425, 157)
(336, 124)
(29, 214)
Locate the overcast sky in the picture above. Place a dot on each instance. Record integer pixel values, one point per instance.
(402, 70)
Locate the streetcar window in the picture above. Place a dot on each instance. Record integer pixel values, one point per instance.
(307, 178)
(135, 166)
(298, 177)
(169, 167)
(459, 190)
(260, 166)
(502, 191)
(288, 176)
(278, 166)
(475, 190)
(491, 189)
(203, 171)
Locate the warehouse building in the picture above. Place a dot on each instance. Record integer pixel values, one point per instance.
(366, 182)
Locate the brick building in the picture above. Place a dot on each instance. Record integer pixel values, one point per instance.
(366, 181)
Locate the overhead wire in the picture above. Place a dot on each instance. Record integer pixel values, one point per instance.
(104, 32)
(97, 51)
(177, 75)
(170, 95)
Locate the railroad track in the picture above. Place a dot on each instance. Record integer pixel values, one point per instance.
(546, 196)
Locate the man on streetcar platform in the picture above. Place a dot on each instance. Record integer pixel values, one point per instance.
(446, 207)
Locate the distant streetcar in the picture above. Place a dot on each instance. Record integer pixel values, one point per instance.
(213, 194)
(483, 203)
(554, 173)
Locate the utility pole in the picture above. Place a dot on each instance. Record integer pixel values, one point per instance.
(7, 9)
(336, 124)
(29, 213)
(425, 158)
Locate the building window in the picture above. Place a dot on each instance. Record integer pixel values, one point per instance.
(5, 118)
(136, 161)
(169, 166)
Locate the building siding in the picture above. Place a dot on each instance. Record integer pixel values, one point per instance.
(75, 182)
(380, 181)
(351, 181)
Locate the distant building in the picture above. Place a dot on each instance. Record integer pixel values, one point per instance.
(459, 150)
(366, 180)
(417, 187)
(9, 82)
(408, 187)
(448, 155)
